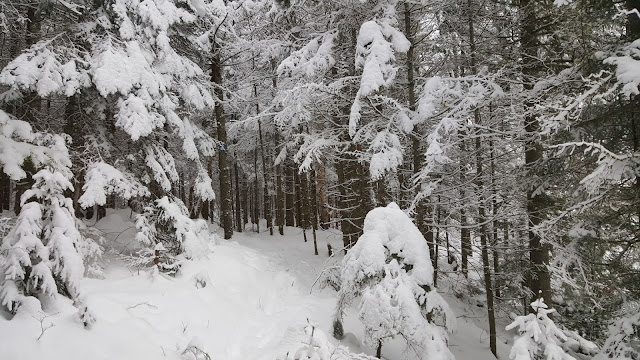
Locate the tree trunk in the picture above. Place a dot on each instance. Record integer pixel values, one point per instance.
(266, 197)
(495, 224)
(239, 223)
(280, 206)
(465, 233)
(539, 280)
(226, 215)
(256, 194)
(265, 186)
(314, 209)
(321, 182)
(417, 153)
(437, 247)
(298, 198)
(482, 219)
(5, 192)
(486, 266)
(245, 202)
(305, 203)
(289, 195)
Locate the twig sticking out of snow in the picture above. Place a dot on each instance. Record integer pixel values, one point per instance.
(196, 352)
(140, 304)
(44, 327)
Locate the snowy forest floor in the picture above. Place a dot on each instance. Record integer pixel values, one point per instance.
(255, 306)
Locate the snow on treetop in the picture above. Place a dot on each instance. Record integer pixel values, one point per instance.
(403, 239)
(539, 337)
(390, 268)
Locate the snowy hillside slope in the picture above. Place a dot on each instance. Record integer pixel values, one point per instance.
(255, 305)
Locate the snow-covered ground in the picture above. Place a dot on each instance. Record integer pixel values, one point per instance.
(257, 300)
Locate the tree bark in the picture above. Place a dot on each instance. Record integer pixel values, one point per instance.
(279, 207)
(289, 195)
(539, 280)
(321, 183)
(313, 200)
(245, 202)
(239, 224)
(305, 215)
(298, 198)
(226, 215)
(256, 194)
(482, 218)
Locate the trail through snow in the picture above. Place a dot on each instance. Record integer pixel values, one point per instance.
(255, 306)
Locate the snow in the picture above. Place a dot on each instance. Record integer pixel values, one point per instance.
(18, 142)
(313, 59)
(538, 336)
(389, 268)
(247, 299)
(376, 45)
(103, 179)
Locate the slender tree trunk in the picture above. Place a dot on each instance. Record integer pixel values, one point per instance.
(238, 205)
(280, 206)
(5, 192)
(345, 225)
(290, 195)
(245, 201)
(437, 247)
(495, 224)
(482, 217)
(298, 199)
(415, 137)
(265, 178)
(321, 180)
(314, 209)
(539, 280)
(226, 199)
(256, 193)
(305, 202)
(465, 233)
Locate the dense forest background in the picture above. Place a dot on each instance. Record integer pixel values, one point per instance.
(507, 130)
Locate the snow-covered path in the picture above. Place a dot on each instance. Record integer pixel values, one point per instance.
(255, 306)
(250, 309)
(470, 341)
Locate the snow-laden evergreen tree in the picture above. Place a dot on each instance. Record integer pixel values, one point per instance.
(538, 336)
(44, 250)
(133, 69)
(389, 270)
(167, 229)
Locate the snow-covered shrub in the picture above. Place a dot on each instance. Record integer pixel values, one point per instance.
(91, 248)
(169, 234)
(41, 255)
(318, 347)
(539, 337)
(622, 333)
(576, 344)
(42, 248)
(390, 270)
